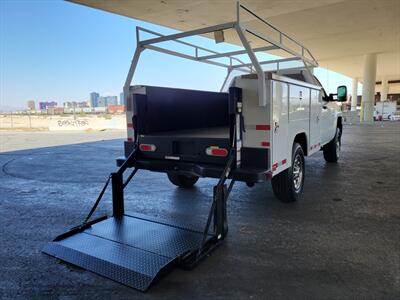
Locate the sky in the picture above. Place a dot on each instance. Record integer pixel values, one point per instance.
(60, 51)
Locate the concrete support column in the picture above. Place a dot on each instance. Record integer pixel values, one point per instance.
(385, 89)
(368, 90)
(354, 95)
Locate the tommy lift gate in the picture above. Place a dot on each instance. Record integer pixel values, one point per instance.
(258, 123)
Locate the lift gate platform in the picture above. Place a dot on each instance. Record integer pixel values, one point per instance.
(132, 250)
(136, 250)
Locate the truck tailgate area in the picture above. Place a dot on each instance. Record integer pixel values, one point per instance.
(187, 145)
(180, 124)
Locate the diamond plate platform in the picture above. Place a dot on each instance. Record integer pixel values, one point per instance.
(132, 250)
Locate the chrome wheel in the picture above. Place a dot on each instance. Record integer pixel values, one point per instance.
(297, 172)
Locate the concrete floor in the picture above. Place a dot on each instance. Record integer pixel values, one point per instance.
(341, 241)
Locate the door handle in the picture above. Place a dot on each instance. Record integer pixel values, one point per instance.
(276, 126)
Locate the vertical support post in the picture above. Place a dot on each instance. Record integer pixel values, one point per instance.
(385, 89)
(368, 91)
(226, 79)
(128, 80)
(131, 72)
(368, 95)
(354, 95)
(117, 194)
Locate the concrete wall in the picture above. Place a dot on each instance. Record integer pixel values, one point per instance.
(8, 121)
(57, 123)
(85, 123)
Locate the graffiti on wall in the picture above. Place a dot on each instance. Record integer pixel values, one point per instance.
(93, 123)
(72, 123)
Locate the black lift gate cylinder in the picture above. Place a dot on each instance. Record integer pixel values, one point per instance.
(220, 218)
(117, 194)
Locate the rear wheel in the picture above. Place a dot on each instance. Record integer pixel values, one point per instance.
(332, 149)
(288, 185)
(183, 181)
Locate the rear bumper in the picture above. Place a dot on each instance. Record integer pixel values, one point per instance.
(198, 169)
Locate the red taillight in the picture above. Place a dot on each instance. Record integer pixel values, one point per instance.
(147, 147)
(215, 151)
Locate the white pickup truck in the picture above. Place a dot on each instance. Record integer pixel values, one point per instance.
(263, 122)
(189, 134)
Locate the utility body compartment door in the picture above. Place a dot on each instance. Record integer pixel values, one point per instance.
(256, 132)
(299, 115)
(280, 127)
(328, 122)
(315, 121)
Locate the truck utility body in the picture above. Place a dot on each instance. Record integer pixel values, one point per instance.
(258, 127)
(180, 128)
(190, 132)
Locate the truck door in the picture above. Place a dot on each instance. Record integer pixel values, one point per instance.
(327, 123)
(280, 120)
(315, 117)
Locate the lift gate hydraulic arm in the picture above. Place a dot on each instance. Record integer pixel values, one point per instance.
(136, 250)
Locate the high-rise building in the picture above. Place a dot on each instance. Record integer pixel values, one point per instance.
(102, 102)
(121, 99)
(31, 105)
(112, 100)
(94, 99)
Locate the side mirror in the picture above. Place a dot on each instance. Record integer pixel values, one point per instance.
(342, 93)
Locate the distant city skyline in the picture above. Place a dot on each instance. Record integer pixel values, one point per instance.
(70, 50)
(95, 100)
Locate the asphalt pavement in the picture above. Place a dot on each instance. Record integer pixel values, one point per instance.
(340, 241)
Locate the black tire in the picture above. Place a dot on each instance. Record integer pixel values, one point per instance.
(285, 188)
(183, 181)
(332, 149)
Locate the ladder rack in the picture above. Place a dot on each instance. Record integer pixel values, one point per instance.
(303, 56)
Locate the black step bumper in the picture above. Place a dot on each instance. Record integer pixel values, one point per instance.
(201, 170)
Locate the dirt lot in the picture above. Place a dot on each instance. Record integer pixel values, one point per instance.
(12, 140)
